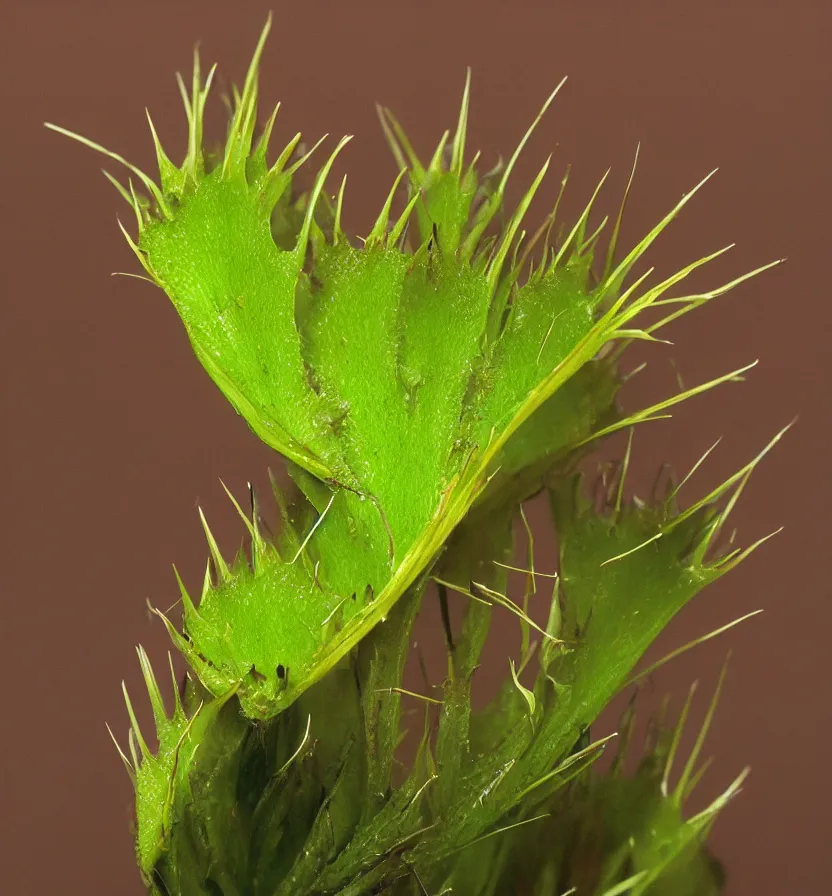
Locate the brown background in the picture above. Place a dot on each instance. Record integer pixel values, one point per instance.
(111, 431)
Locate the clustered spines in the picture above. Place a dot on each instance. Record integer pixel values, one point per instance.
(703, 519)
(239, 152)
(287, 570)
(541, 741)
(528, 788)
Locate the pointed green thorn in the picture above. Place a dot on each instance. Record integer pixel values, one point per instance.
(156, 701)
(613, 244)
(616, 276)
(458, 145)
(246, 521)
(496, 265)
(135, 725)
(127, 764)
(577, 232)
(187, 604)
(148, 182)
(169, 175)
(222, 570)
(241, 130)
(724, 487)
(338, 235)
(379, 232)
(136, 250)
(437, 162)
(684, 778)
(516, 155)
(677, 737)
(303, 237)
(177, 701)
(399, 144)
(625, 465)
(265, 136)
(119, 186)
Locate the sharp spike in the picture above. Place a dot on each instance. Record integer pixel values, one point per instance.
(495, 267)
(276, 178)
(472, 166)
(544, 230)
(135, 725)
(592, 752)
(677, 736)
(131, 743)
(399, 227)
(305, 157)
(311, 532)
(655, 292)
(694, 468)
(139, 209)
(303, 237)
(458, 145)
(696, 778)
(177, 702)
(533, 572)
(246, 521)
(613, 245)
(287, 529)
(136, 251)
(188, 607)
(120, 187)
(258, 544)
(436, 162)
(736, 557)
(684, 778)
(390, 137)
(255, 517)
(589, 244)
(652, 413)
(169, 175)
(266, 136)
(148, 182)
(400, 145)
(183, 92)
(716, 526)
(130, 770)
(194, 163)
(207, 583)
(182, 644)
(506, 602)
(516, 155)
(242, 125)
(690, 302)
(379, 231)
(490, 208)
(156, 701)
(194, 142)
(689, 646)
(729, 482)
(625, 465)
(580, 226)
(220, 565)
(616, 277)
(638, 547)
(630, 334)
(134, 276)
(337, 233)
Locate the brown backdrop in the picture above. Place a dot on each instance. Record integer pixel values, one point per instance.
(111, 431)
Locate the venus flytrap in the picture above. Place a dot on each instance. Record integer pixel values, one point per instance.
(420, 385)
